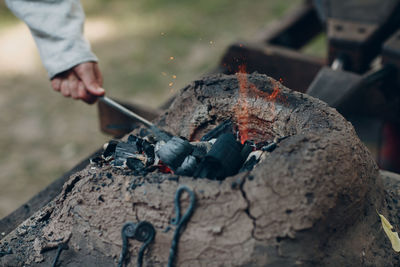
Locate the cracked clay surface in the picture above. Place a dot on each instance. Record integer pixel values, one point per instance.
(310, 202)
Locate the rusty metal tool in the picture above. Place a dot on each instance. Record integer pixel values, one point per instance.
(159, 134)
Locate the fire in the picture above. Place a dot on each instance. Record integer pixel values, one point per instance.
(242, 114)
(275, 92)
(164, 168)
(247, 90)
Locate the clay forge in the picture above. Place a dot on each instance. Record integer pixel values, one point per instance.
(271, 177)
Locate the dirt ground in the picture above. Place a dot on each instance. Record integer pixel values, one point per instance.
(148, 49)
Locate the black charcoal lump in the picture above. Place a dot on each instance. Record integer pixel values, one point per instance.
(174, 152)
(124, 151)
(224, 159)
(200, 149)
(188, 166)
(224, 127)
(110, 149)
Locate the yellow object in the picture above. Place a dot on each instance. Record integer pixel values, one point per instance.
(393, 236)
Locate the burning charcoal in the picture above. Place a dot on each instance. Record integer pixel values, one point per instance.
(124, 151)
(109, 150)
(224, 159)
(135, 164)
(163, 168)
(174, 152)
(225, 127)
(200, 149)
(188, 166)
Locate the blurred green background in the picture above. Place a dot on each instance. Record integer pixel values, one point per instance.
(148, 49)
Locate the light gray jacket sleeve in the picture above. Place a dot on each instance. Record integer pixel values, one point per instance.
(57, 27)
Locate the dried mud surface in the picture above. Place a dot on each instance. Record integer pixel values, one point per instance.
(312, 202)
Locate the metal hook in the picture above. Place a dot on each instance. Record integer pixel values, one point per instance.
(180, 222)
(143, 232)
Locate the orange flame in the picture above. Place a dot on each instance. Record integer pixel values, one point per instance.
(242, 114)
(247, 90)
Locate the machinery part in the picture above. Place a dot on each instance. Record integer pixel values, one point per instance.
(339, 88)
(391, 54)
(332, 86)
(357, 29)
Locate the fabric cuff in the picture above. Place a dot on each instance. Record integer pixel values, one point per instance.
(52, 72)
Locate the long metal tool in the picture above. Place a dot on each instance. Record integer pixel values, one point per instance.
(125, 111)
(161, 135)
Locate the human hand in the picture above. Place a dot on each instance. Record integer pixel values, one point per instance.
(84, 81)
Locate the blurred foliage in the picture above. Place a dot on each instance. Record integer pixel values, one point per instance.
(317, 46)
(195, 33)
(6, 17)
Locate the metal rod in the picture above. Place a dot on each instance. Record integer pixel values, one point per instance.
(125, 111)
(159, 134)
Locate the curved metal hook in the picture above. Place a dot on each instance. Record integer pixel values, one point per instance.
(143, 232)
(180, 222)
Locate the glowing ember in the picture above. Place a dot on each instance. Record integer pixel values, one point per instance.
(247, 90)
(163, 168)
(242, 114)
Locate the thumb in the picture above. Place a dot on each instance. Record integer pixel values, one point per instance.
(86, 73)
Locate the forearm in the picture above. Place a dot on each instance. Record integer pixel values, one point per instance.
(57, 27)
